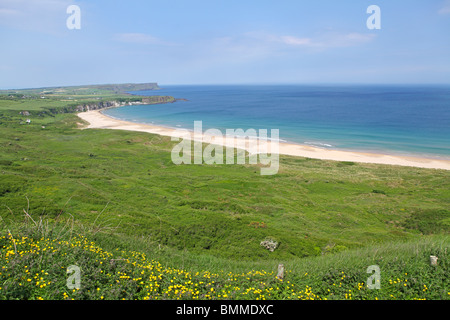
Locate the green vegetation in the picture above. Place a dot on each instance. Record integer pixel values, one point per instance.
(121, 191)
(99, 89)
(34, 265)
(49, 101)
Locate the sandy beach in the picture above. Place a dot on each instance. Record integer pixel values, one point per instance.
(97, 120)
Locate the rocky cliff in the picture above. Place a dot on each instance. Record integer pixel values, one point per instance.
(102, 104)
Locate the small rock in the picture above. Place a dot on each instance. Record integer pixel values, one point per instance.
(269, 244)
(433, 260)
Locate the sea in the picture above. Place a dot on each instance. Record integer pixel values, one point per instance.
(408, 120)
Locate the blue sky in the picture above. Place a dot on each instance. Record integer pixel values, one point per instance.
(223, 42)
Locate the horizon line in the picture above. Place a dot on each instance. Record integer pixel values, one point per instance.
(242, 84)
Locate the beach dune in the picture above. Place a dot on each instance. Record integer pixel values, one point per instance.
(97, 120)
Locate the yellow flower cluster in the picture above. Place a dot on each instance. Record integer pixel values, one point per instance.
(40, 266)
(133, 271)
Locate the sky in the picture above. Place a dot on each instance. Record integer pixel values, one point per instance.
(223, 42)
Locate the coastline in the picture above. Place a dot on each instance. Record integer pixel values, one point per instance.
(97, 120)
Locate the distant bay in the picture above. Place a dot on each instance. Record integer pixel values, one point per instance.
(399, 120)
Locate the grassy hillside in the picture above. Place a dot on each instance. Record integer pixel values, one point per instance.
(35, 257)
(123, 188)
(42, 101)
(310, 207)
(99, 89)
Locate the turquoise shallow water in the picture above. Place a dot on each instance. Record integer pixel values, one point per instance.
(405, 120)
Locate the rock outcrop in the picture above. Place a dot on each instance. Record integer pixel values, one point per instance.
(270, 244)
(102, 104)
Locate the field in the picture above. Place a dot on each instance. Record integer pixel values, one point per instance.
(85, 197)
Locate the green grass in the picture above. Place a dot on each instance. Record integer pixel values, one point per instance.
(325, 215)
(35, 258)
(307, 207)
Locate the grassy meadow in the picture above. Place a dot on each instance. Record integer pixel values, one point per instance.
(140, 227)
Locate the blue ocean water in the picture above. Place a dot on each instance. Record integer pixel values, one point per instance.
(405, 120)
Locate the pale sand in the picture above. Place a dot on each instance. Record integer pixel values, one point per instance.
(98, 120)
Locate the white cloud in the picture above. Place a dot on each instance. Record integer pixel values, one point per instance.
(259, 46)
(290, 40)
(272, 39)
(352, 39)
(5, 12)
(445, 9)
(37, 15)
(136, 38)
(323, 41)
(140, 38)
